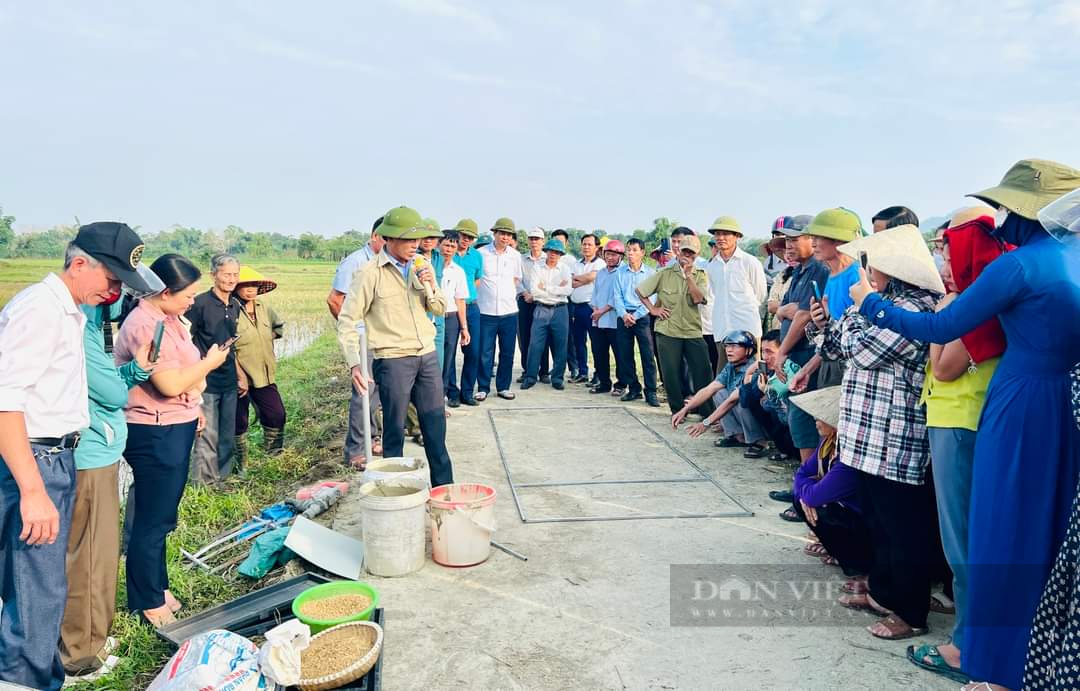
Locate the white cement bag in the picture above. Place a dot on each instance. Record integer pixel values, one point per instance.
(213, 661)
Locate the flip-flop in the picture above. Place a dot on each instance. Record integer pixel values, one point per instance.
(897, 630)
(937, 663)
(790, 516)
(854, 587)
(815, 549)
(942, 604)
(860, 603)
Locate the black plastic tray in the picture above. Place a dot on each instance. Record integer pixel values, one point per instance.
(248, 615)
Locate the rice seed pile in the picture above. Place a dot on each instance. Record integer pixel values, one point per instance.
(335, 606)
(334, 651)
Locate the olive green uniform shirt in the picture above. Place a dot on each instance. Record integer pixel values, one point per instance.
(673, 293)
(394, 312)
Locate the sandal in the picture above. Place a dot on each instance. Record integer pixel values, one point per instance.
(829, 560)
(854, 586)
(942, 604)
(376, 446)
(815, 549)
(358, 462)
(790, 515)
(862, 603)
(936, 664)
(898, 629)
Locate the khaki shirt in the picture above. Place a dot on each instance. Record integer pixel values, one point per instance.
(394, 312)
(255, 344)
(672, 292)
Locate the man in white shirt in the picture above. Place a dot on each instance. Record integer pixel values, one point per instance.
(354, 437)
(526, 306)
(584, 276)
(551, 288)
(43, 405)
(455, 288)
(496, 294)
(737, 281)
(570, 262)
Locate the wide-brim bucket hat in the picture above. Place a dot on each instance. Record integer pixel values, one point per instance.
(901, 252)
(1030, 185)
(820, 404)
(249, 277)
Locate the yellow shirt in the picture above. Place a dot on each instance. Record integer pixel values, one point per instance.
(394, 312)
(957, 403)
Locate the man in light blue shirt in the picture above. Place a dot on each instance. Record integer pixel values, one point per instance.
(634, 324)
(604, 321)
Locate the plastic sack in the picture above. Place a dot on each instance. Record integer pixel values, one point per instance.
(279, 658)
(213, 661)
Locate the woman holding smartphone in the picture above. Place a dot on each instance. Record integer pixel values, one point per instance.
(163, 418)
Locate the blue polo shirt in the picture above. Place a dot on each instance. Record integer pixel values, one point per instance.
(473, 265)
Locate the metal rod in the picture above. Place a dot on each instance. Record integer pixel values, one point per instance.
(610, 482)
(506, 468)
(366, 406)
(509, 551)
(649, 516)
(568, 407)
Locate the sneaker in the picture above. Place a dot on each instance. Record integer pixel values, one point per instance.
(618, 391)
(545, 378)
(507, 395)
(630, 396)
(481, 396)
(578, 379)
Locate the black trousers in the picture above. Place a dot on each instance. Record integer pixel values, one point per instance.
(415, 379)
(269, 407)
(524, 335)
(625, 336)
(159, 457)
(714, 353)
(903, 524)
(675, 354)
(605, 344)
(843, 532)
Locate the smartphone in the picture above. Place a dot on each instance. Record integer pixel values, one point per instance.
(817, 290)
(228, 342)
(665, 246)
(863, 261)
(155, 347)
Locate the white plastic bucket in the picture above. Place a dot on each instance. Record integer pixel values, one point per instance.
(393, 514)
(397, 468)
(462, 521)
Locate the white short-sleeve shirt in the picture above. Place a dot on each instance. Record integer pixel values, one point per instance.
(454, 286)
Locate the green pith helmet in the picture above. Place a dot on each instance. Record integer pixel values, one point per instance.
(399, 221)
(467, 226)
(835, 224)
(726, 223)
(434, 230)
(505, 224)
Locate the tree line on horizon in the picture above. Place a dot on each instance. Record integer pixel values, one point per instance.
(200, 245)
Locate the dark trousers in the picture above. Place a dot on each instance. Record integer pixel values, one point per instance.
(655, 350)
(416, 380)
(902, 524)
(503, 330)
(714, 352)
(776, 429)
(843, 532)
(625, 337)
(526, 315)
(580, 324)
(675, 353)
(269, 408)
(158, 456)
(549, 328)
(449, 362)
(604, 345)
(33, 580)
(470, 356)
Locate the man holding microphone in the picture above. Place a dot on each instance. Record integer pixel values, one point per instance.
(393, 298)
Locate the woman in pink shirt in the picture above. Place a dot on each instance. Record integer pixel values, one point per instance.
(163, 419)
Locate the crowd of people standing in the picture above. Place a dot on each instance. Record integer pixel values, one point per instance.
(924, 393)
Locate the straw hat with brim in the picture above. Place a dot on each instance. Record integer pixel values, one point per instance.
(971, 213)
(900, 252)
(821, 404)
(835, 224)
(251, 277)
(505, 225)
(1030, 185)
(726, 224)
(467, 226)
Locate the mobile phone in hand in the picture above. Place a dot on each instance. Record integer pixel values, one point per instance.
(817, 290)
(863, 261)
(228, 342)
(155, 347)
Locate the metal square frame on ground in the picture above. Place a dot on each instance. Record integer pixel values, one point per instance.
(704, 477)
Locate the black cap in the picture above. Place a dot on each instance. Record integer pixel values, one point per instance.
(116, 246)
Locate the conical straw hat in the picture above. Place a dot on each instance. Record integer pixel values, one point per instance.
(900, 252)
(822, 404)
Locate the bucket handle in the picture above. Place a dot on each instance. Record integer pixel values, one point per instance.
(478, 524)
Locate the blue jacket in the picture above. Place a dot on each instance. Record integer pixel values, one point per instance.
(102, 443)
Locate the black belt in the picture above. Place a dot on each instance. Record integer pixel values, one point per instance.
(68, 441)
(553, 306)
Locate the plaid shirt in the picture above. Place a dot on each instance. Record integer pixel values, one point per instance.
(882, 428)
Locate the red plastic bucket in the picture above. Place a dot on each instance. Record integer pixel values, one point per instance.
(462, 521)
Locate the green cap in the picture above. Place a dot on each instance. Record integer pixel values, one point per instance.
(505, 224)
(1030, 185)
(835, 224)
(467, 226)
(398, 221)
(726, 223)
(555, 245)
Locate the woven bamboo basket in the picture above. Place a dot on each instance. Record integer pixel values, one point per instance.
(365, 636)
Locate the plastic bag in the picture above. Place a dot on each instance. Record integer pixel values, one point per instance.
(213, 661)
(279, 658)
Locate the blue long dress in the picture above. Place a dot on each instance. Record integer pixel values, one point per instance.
(1027, 452)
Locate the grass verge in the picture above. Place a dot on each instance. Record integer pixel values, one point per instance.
(316, 391)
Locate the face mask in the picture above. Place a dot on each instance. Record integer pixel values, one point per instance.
(1000, 216)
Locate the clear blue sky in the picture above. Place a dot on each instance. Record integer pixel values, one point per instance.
(295, 116)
